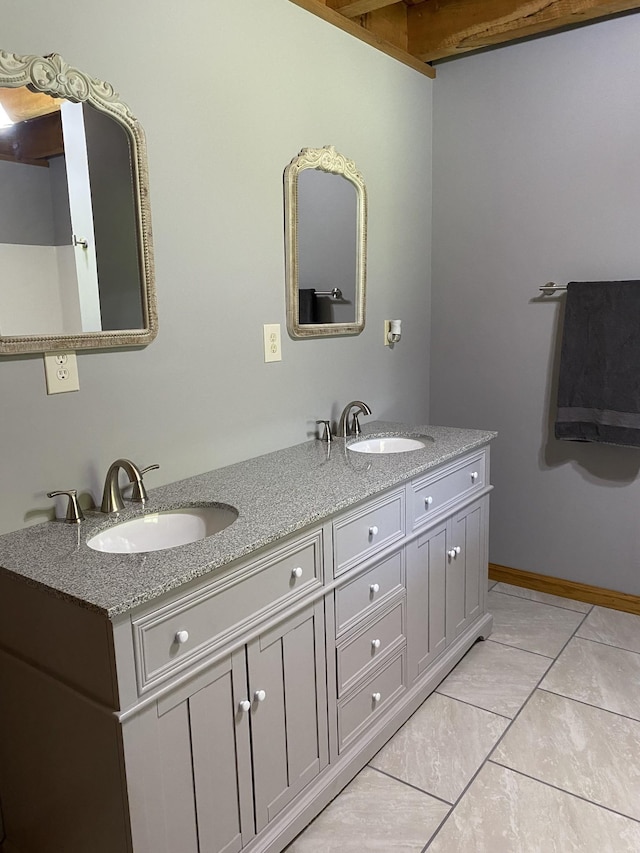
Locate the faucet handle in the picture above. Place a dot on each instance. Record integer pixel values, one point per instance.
(74, 513)
(326, 432)
(138, 492)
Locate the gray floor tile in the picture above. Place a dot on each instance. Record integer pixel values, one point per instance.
(504, 812)
(495, 677)
(441, 746)
(583, 750)
(531, 625)
(375, 813)
(612, 627)
(599, 675)
(543, 597)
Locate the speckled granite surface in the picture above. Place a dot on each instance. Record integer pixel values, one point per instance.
(275, 495)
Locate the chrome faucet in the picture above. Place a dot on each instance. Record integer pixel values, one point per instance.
(345, 427)
(112, 496)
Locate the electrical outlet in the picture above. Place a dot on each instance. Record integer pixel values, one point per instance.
(61, 372)
(272, 349)
(387, 326)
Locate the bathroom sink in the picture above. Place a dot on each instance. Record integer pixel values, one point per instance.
(159, 530)
(388, 444)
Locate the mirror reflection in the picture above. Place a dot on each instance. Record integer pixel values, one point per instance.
(327, 248)
(75, 245)
(325, 201)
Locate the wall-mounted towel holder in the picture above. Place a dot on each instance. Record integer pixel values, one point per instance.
(551, 287)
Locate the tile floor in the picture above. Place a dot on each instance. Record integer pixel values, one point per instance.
(532, 743)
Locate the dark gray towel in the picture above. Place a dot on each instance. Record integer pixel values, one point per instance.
(599, 386)
(307, 306)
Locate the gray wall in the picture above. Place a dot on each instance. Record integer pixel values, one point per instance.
(537, 178)
(228, 94)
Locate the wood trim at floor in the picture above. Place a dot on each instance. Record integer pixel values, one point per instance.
(567, 589)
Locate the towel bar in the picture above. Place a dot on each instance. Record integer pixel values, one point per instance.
(551, 287)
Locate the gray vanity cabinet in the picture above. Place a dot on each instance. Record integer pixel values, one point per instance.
(231, 747)
(223, 715)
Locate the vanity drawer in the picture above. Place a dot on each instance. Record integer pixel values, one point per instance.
(367, 530)
(370, 646)
(430, 495)
(363, 707)
(356, 598)
(170, 638)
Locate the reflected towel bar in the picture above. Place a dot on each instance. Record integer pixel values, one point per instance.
(336, 293)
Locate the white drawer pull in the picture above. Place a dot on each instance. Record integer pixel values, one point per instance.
(373, 530)
(375, 644)
(181, 637)
(297, 572)
(376, 697)
(245, 705)
(474, 476)
(373, 588)
(453, 552)
(260, 695)
(457, 550)
(428, 501)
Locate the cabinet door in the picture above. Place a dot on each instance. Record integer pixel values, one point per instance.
(287, 678)
(426, 585)
(466, 569)
(193, 782)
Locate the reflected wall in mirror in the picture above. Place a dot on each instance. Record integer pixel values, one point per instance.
(75, 228)
(326, 235)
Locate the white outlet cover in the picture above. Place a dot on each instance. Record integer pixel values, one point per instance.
(61, 372)
(272, 345)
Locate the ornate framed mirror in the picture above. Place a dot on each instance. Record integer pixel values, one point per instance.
(75, 226)
(325, 244)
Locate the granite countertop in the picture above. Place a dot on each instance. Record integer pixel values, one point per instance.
(275, 495)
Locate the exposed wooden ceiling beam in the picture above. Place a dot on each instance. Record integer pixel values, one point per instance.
(421, 31)
(319, 8)
(443, 28)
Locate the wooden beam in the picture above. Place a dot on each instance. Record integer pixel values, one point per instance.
(389, 23)
(323, 11)
(355, 8)
(443, 28)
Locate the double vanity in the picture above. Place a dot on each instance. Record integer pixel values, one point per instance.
(216, 695)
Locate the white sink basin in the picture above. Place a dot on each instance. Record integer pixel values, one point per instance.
(159, 530)
(390, 444)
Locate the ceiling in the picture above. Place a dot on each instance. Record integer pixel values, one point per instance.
(419, 32)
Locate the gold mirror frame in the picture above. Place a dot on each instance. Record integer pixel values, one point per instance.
(51, 75)
(325, 159)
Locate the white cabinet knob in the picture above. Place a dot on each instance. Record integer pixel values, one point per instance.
(457, 550)
(428, 501)
(181, 637)
(297, 572)
(376, 697)
(373, 588)
(373, 530)
(474, 476)
(453, 552)
(259, 695)
(245, 705)
(375, 644)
